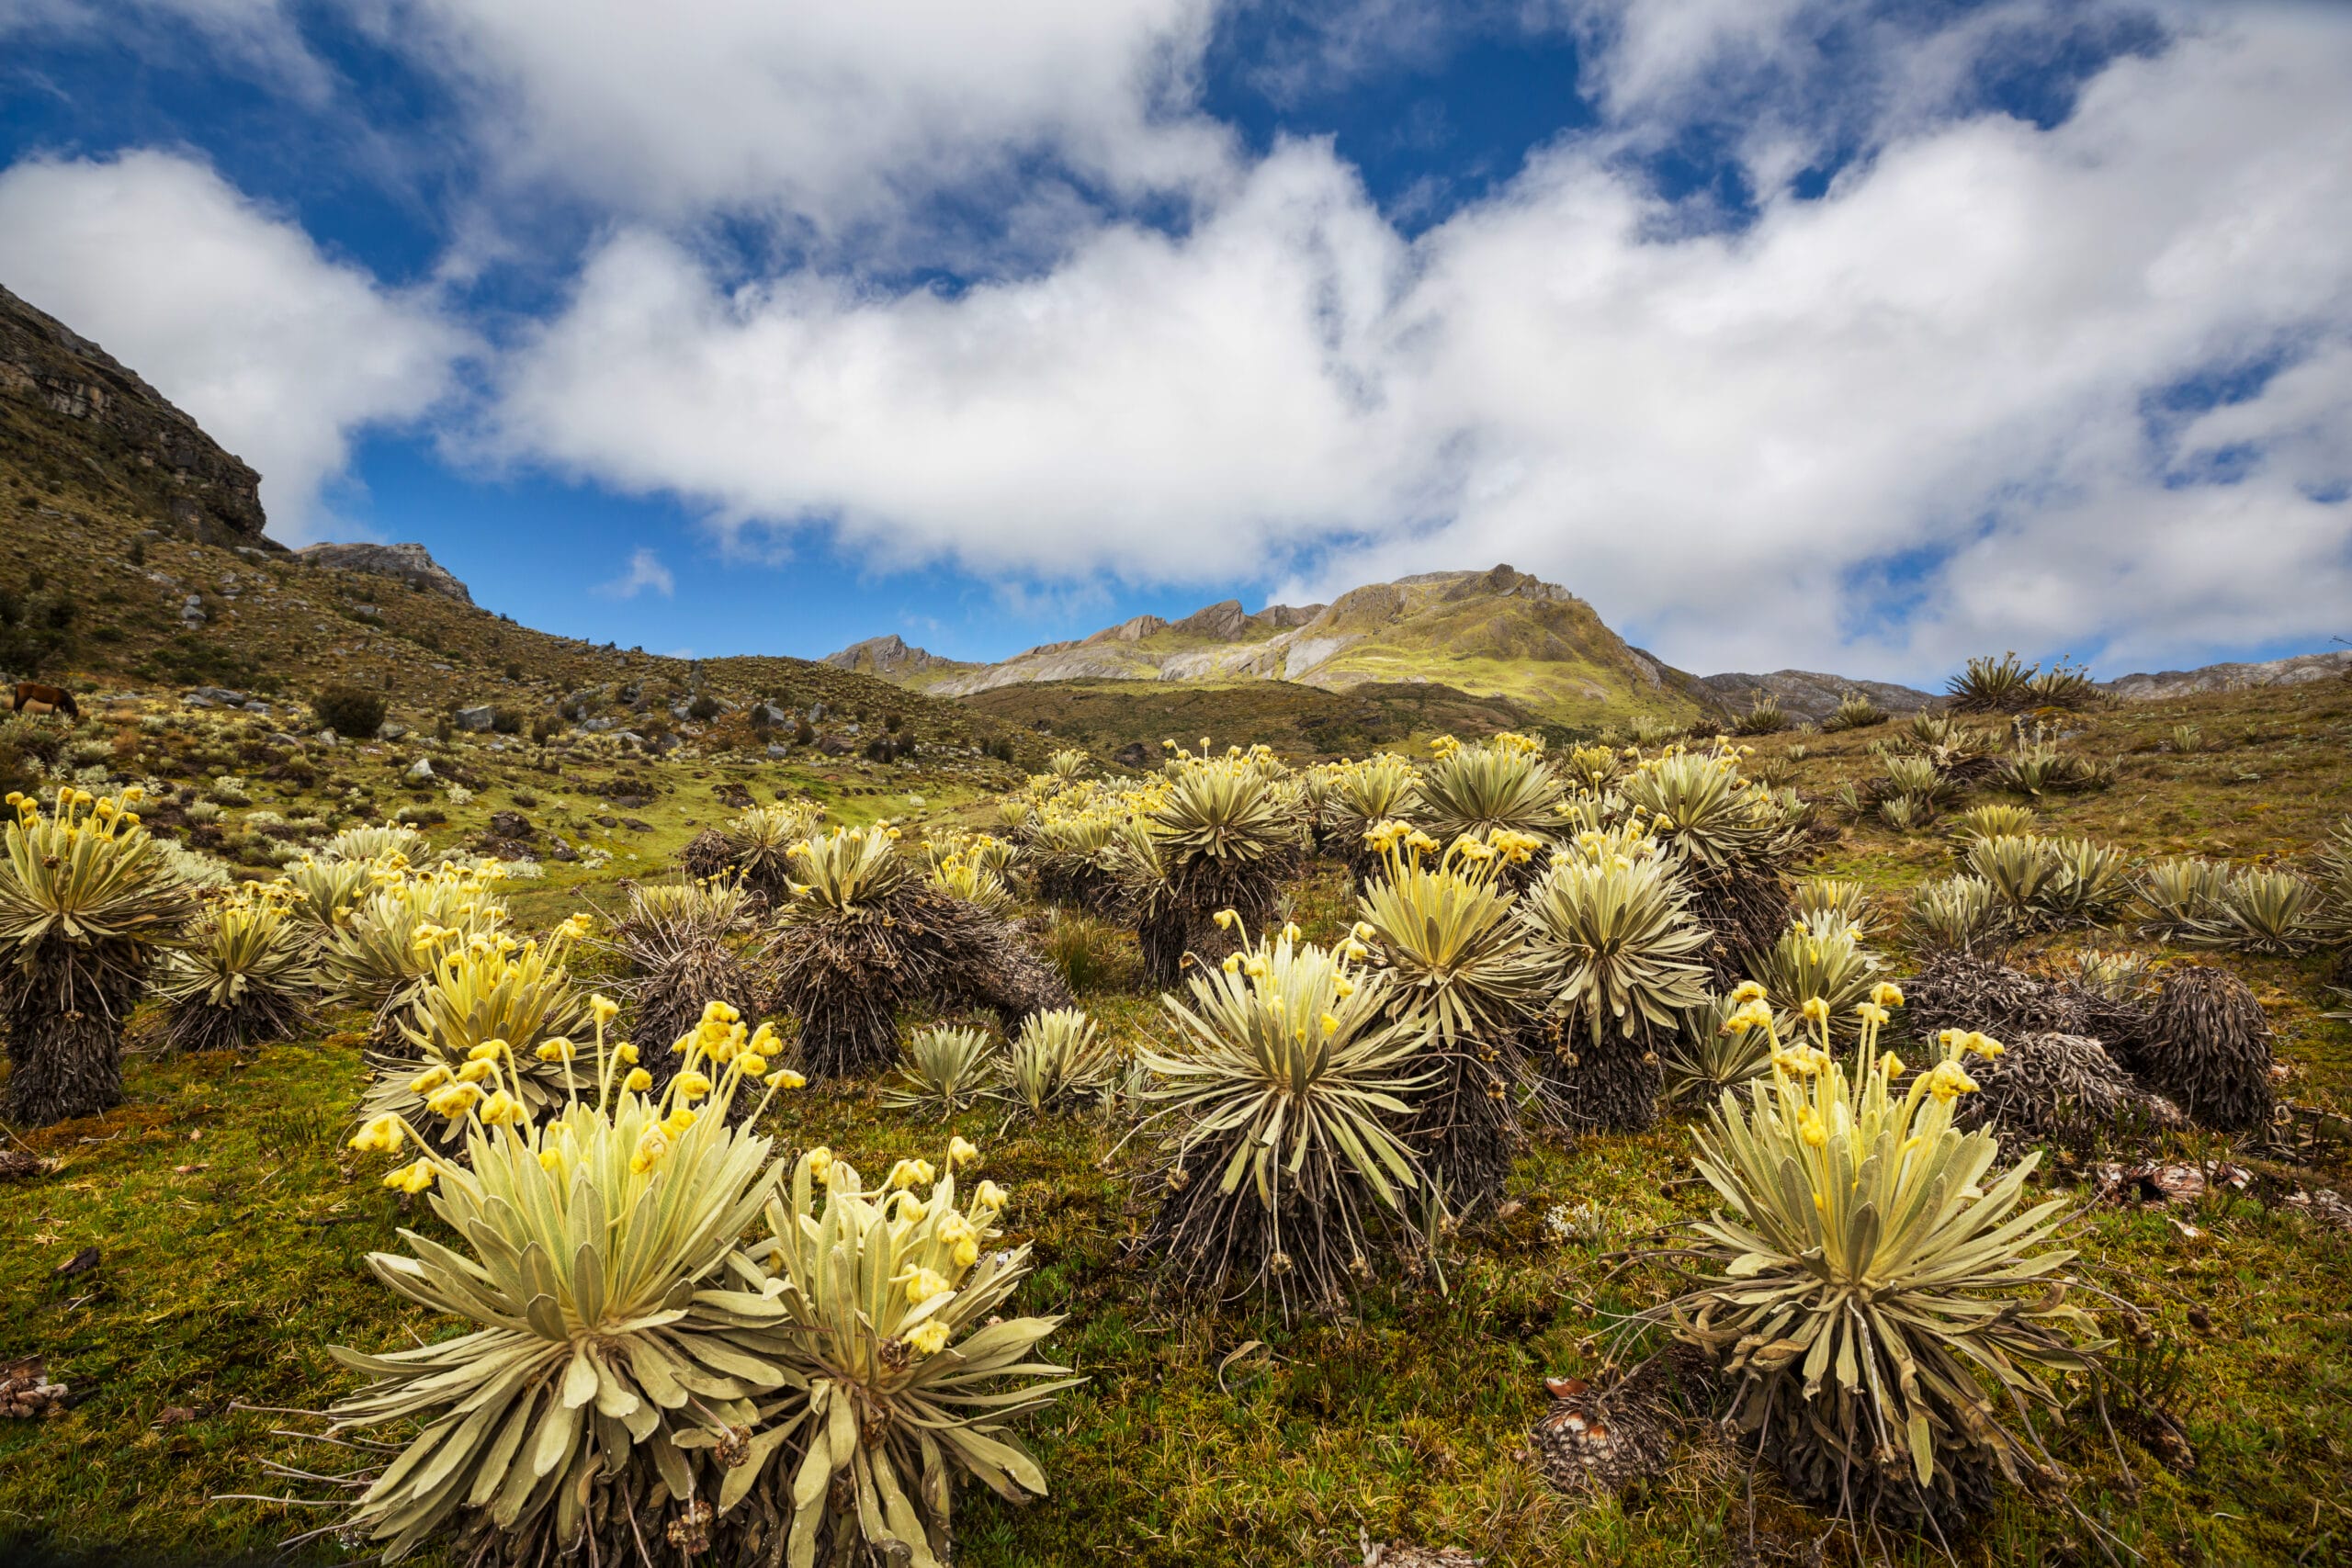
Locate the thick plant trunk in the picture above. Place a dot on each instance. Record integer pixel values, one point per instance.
(62, 1064)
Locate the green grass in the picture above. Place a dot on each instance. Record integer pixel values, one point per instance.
(232, 1226)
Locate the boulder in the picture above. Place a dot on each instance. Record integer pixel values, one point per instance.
(511, 825)
(777, 754)
(391, 729)
(1131, 755)
(421, 771)
(477, 719)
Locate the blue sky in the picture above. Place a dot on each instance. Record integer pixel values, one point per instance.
(1845, 336)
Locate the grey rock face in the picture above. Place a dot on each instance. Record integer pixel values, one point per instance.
(1811, 696)
(2335, 664)
(154, 448)
(421, 771)
(476, 720)
(410, 563)
(391, 729)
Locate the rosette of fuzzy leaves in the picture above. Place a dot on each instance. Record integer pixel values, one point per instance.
(1884, 1296)
(905, 1372)
(375, 961)
(1619, 950)
(86, 900)
(1445, 934)
(1500, 786)
(1279, 1111)
(244, 974)
(1059, 1060)
(609, 1346)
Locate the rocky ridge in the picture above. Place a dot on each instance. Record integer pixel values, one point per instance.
(1811, 696)
(410, 563)
(2333, 665)
(70, 394)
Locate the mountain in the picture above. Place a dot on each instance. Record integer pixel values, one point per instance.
(53, 380)
(1498, 634)
(137, 555)
(2333, 665)
(1812, 696)
(890, 659)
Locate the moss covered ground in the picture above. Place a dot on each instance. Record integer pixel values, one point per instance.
(231, 1226)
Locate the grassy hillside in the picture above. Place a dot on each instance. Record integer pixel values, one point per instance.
(1497, 635)
(231, 1226)
(95, 577)
(1300, 722)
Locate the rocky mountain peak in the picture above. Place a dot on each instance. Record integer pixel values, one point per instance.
(410, 563)
(129, 429)
(888, 655)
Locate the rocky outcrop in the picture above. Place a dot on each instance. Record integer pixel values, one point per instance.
(1811, 696)
(410, 563)
(2333, 665)
(890, 656)
(128, 430)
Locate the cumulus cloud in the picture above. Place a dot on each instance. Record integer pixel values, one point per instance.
(1915, 417)
(281, 352)
(833, 115)
(644, 572)
(1155, 408)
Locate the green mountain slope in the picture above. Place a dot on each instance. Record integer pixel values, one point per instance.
(136, 555)
(1499, 634)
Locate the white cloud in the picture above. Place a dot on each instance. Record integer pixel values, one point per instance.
(1934, 379)
(1155, 408)
(257, 37)
(644, 570)
(831, 114)
(280, 352)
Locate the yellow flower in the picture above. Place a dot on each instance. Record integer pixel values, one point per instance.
(1331, 1025)
(1232, 965)
(550, 1159)
(910, 1173)
(990, 1197)
(454, 1101)
(554, 1051)
(961, 1152)
(637, 1081)
(411, 1179)
(1364, 931)
(928, 1338)
(1983, 1045)
(923, 1284)
(1872, 1014)
(500, 1109)
(1887, 994)
(1812, 1130)
(1746, 991)
(475, 1071)
(1815, 1010)
(425, 1082)
(488, 1051)
(1893, 1066)
(787, 1078)
(691, 1087)
(1227, 919)
(604, 1008)
(1291, 931)
(821, 1162)
(967, 1252)
(625, 1053)
(651, 1148)
(678, 1121)
(382, 1135)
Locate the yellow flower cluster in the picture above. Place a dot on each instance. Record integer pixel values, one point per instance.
(108, 815)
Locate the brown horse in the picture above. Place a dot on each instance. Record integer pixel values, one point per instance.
(34, 698)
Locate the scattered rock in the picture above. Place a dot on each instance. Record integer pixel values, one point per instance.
(606, 821)
(391, 729)
(192, 610)
(1131, 755)
(777, 754)
(214, 697)
(562, 851)
(421, 771)
(477, 719)
(16, 1165)
(26, 1391)
(327, 737)
(834, 745)
(634, 826)
(81, 1262)
(511, 825)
